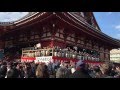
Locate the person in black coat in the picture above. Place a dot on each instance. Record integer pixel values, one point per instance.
(10, 72)
(45, 72)
(16, 73)
(3, 70)
(27, 71)
(21, 72)
(80, 72)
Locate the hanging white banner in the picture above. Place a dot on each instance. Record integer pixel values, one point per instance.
(45, 59)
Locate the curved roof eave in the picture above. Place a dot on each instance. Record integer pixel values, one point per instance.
(29, 15)
(98, 32)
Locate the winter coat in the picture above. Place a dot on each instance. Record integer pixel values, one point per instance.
(16, 73)
(10, 73)
(45, 72)
(39, 71)
(3, 71)
(80, 74)
(63, 72)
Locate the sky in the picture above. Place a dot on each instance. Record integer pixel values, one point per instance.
(11, 16)
(109, 22)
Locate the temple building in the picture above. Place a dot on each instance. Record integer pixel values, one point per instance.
(61, 29)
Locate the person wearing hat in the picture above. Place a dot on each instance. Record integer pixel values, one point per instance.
(63, 71)
(80, 71)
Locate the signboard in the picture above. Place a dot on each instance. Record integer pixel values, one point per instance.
(45, 59)
(27, 59)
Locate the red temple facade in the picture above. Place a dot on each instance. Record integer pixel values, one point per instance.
(57, 29)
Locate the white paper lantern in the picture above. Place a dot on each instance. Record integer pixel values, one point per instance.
(38, 45)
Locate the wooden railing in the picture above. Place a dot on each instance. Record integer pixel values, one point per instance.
(33, 51)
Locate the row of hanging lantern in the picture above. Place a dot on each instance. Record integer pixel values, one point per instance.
(74, 53)
(68, 52)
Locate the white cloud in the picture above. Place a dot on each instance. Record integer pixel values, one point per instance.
(109, 13)
(11, 16)
(117, 27)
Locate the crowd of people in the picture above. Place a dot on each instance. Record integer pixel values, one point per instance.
(64, 69)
